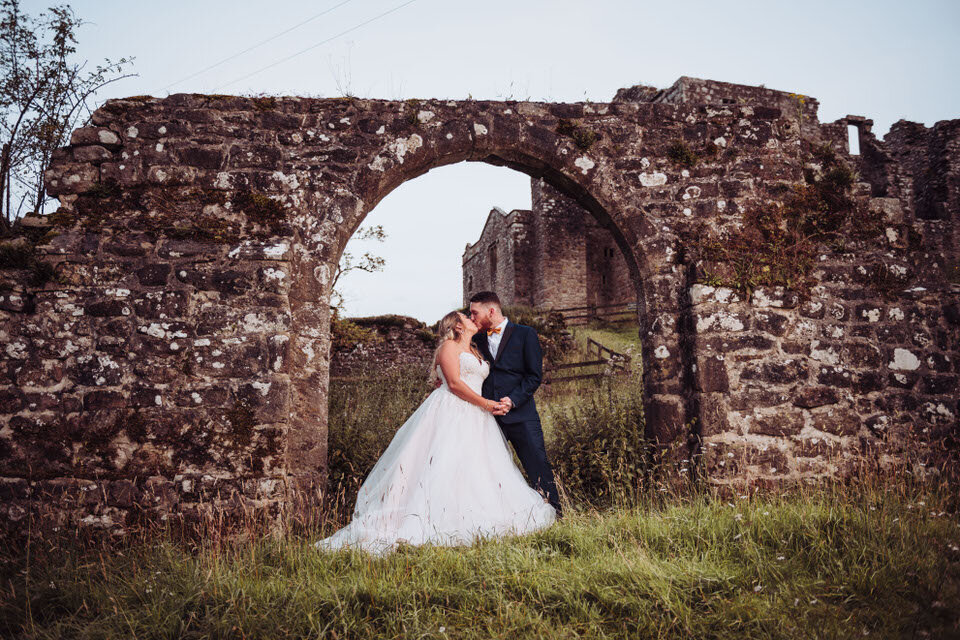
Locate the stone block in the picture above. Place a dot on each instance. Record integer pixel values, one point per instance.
(711, 374)
(839, 421)
(938, 384)
(93, 154)
(157, 305)
(665, 417)
(867, 381)
(104, 399)
(713, 415)
(834, 376)
(70, 178)
(776, 372)
(769, 322)
(153, 275)
(783, 422)
(95, 136)
(738, 342)
(809, 397)
(862, 355)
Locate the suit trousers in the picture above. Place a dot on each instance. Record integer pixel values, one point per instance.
(527, 440)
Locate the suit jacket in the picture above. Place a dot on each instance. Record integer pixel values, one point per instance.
(515, 372)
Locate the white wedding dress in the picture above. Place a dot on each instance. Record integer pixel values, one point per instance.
(446, 478)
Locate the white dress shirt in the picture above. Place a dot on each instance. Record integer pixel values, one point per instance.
(493, 340)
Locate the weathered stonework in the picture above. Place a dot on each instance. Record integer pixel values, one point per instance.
(554, 256)
(401, 345)
(179, 359)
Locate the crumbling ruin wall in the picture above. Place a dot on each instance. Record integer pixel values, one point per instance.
(499, 260)
(178, 358)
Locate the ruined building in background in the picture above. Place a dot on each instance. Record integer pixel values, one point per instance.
(166, 334)
(554, 256)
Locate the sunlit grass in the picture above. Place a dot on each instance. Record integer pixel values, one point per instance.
(834, 562)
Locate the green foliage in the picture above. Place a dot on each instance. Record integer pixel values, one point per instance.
(16, 256)
(345, 333)
(44, 96)
(264, 103)
(778, 243)
(23, 255)
(386, 320)
(582, 137)
(260, 208)
(597, 445)
(411, 112)
(368, 262)
(680, 153)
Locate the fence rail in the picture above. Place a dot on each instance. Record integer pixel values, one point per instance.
(619, 361)
(615, 312)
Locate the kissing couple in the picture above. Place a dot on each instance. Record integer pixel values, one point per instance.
(447, 477)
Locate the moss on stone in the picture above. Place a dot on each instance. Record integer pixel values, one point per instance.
(582, 137)
(265, 103)
(16, 256)
(106, 189)
(679, 152)
(260, 208)
(777, 243)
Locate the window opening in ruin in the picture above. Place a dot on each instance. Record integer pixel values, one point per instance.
(853, 139)
(493, 265)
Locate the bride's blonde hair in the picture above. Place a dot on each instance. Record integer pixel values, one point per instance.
(447, 330)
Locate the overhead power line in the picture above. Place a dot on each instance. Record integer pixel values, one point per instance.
(321, 43)
(259, 44)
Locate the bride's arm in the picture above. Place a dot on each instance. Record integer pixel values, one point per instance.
(449, 359)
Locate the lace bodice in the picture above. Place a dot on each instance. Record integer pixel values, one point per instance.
(472, 371)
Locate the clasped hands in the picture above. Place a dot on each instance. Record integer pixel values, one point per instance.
(502, 407)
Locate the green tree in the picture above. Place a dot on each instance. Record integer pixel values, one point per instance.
(44, 96)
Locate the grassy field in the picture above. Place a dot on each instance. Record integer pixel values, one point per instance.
(827, 563)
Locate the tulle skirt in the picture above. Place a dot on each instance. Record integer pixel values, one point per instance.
(447, 478)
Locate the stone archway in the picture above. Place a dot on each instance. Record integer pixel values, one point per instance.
(399, 159)
(180, 352)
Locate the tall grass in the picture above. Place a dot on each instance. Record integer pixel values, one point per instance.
(871, 559)
(364, 415)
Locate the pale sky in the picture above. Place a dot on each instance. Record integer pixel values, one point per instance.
(881, 59)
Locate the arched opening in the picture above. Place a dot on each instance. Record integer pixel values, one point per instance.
(602, 257)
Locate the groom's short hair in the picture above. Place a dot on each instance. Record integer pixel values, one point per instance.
(486, 297)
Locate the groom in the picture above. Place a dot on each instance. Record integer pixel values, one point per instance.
(516, 368)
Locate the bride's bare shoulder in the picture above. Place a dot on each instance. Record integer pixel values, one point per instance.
(448, 349)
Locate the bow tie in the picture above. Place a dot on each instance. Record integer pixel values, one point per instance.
(490, 332)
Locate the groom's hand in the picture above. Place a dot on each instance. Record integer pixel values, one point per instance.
(505, 400)
(501, 409)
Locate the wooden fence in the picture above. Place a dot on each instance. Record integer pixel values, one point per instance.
(620, 311)
(619, 361)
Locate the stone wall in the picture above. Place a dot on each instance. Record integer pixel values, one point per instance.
(178, 359)
(499, 260)
(401, 344)
(554, 256)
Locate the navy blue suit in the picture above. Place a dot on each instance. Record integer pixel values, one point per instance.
(516, 373)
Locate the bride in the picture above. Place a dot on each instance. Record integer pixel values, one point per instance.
(447, 477)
